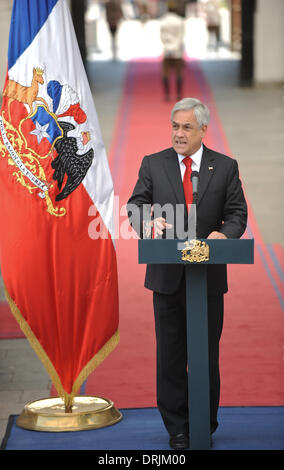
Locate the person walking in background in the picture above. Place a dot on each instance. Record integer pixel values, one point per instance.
(114, 15)
(172, 33)
(213, 20)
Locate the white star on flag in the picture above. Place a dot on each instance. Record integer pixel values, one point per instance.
(40, 131)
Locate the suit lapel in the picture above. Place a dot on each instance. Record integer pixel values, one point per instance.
(206, 171)
(173, 172)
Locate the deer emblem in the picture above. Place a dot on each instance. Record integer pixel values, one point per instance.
(25, 94)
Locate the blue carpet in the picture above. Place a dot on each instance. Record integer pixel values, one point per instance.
(240, 428)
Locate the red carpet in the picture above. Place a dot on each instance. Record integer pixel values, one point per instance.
(252, 342)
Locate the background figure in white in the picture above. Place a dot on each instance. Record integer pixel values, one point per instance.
(213, 20)
(114, 15)
(172, 33)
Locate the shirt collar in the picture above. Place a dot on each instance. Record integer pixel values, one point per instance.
(196, 157)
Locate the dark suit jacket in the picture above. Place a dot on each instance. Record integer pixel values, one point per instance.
(221, 206)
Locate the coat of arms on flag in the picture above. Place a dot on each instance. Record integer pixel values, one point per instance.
(45, 149)
(61, 285)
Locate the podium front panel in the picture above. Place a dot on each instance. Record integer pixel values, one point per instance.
(221, 251)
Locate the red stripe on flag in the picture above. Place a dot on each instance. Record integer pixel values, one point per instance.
(71, 276)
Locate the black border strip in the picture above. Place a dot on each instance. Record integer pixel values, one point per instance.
(8, 432)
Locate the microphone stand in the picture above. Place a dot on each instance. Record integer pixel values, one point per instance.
(194, 201)
(195, 181)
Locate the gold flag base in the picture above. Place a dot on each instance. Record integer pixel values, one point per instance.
(88, 412)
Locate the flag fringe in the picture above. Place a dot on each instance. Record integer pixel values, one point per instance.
(96, 361)
(37, 347)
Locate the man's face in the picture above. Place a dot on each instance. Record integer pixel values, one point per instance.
(187, 135)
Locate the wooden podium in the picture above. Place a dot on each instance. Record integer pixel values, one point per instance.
(196, 255)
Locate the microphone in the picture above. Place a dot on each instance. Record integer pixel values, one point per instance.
(194, 179)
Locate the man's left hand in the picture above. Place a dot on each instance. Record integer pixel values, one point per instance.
(216, 235)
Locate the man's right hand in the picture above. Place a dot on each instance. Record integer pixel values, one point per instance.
(159, 224)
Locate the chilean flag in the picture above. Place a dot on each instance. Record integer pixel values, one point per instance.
(61, 283)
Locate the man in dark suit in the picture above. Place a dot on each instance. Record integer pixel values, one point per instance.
(164, 178)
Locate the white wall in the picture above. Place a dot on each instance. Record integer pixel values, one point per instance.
(269, 41)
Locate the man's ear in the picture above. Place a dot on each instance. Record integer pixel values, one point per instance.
(204, 129)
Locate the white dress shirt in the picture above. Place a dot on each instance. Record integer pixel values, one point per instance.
(196, 161)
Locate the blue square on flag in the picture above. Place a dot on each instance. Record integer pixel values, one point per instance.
(41, 130)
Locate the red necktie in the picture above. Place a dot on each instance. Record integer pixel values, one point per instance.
(187, 184)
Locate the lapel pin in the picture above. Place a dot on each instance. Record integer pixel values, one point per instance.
(210, 168)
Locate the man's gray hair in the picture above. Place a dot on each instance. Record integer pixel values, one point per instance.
(201, 111)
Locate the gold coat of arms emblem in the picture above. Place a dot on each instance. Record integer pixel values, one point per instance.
(195, 251)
